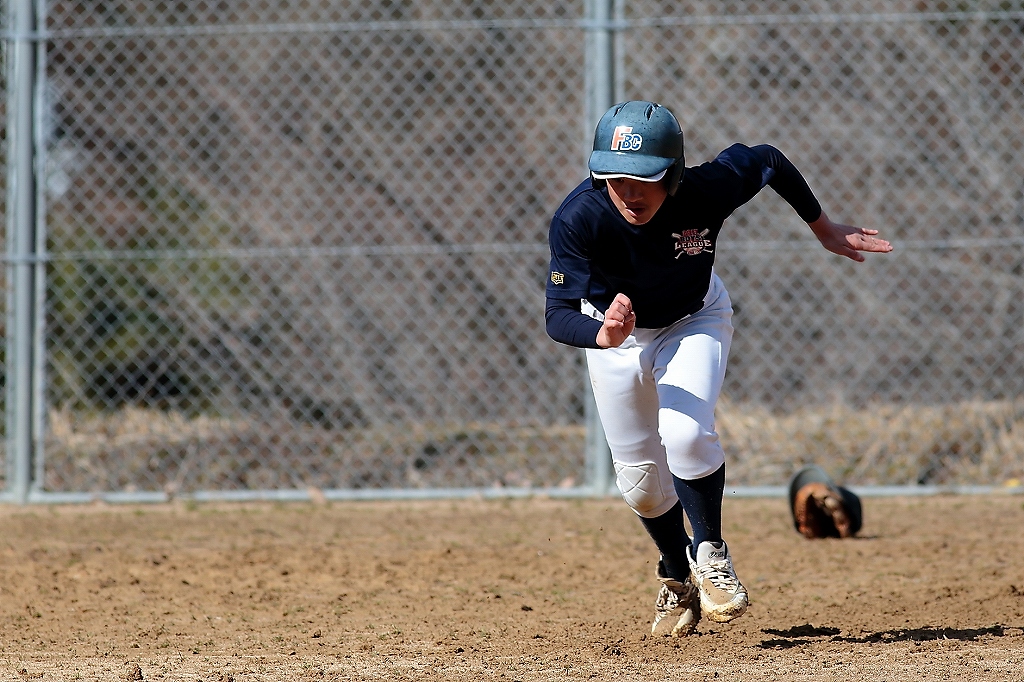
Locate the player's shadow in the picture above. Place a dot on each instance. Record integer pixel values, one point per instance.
(805, 634)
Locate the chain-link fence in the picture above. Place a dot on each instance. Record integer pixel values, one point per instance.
(282, 246)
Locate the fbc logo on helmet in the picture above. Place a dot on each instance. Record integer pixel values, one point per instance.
(625, 140)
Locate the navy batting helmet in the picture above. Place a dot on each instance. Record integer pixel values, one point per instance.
(640, 140)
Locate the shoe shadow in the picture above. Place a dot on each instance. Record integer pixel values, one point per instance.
(805, 634)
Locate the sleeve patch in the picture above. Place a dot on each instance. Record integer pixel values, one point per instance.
(557, 278)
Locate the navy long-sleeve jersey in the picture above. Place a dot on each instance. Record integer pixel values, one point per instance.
(663, 266)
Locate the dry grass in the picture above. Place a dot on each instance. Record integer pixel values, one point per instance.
(963, 443)
(134, 449)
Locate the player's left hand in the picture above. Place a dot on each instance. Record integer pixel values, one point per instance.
(847, 240)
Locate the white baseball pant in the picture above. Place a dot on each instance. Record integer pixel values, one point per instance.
(656, 396)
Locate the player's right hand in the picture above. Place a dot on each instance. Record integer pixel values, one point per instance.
(619, 321)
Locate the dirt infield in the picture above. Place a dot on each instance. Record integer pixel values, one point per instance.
(536, 589)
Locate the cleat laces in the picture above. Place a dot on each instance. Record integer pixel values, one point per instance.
(720, 574)
(668, 601)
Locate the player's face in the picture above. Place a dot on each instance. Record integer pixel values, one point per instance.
(637, 201)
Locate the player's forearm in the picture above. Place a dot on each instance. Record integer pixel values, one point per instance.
(789, 183)
(566, 324)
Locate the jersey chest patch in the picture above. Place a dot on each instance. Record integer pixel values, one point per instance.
(692, 243)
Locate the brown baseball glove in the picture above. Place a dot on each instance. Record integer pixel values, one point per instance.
(820, 512)
(820, 508)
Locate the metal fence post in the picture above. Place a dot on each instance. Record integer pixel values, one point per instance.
(42, 129)
(20, 246)
(599, 74)
(599, 83)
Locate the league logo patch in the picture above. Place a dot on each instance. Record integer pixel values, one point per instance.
(692, 243)
(557, 278)
(625, 140)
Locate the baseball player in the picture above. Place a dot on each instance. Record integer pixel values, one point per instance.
(632, 281)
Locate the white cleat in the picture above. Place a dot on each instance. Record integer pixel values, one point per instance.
(678, 601)
(722, 597)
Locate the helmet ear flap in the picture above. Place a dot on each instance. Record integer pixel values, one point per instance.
(674, 177)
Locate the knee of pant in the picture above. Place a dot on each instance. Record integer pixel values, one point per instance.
(641, 488)
(693, 453)
(684, 438)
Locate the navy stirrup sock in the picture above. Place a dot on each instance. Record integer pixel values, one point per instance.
(669, 534)
(701, 499)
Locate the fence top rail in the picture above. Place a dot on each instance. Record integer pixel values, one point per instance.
(510, 24)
